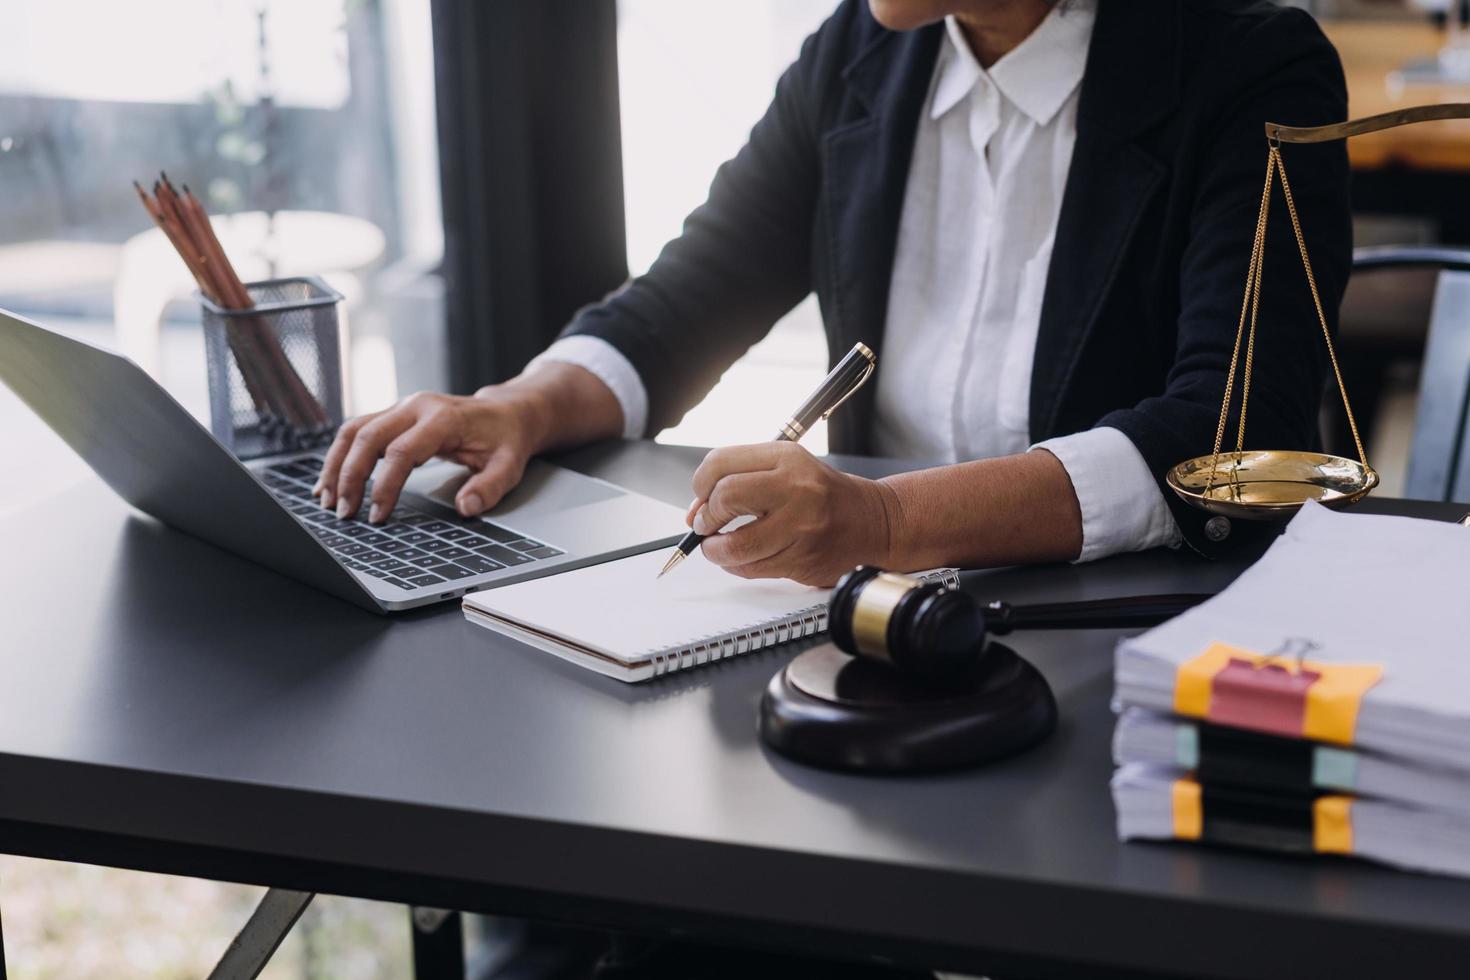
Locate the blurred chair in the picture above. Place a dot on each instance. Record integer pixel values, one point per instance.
(1408, 302)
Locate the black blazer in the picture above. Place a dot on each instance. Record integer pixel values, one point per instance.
(1144, 290)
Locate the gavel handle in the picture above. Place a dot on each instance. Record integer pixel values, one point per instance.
(1142, 610)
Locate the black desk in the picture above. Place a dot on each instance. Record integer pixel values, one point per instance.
(174, 709)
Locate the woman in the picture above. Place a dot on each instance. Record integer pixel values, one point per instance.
(1038, 213)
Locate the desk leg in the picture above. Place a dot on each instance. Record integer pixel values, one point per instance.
(261, 935)
(438, 944)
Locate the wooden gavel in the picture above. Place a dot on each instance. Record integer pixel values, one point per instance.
(929, 631)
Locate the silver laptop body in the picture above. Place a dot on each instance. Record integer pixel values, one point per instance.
(153, 453)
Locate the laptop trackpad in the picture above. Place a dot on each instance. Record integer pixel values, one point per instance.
(545, 489)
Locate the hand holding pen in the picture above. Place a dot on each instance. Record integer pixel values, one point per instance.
(804, 506)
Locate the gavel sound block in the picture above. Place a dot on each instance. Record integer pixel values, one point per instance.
(831, 709)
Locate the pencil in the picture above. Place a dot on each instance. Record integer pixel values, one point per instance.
(272, 381)
(248, 370)
(304, 404)
(251, 334)
(250, 354)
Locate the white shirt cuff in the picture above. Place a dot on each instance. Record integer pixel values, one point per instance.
(611, 368)
(1123, 508)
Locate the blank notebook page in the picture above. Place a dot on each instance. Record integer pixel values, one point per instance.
(621, 609)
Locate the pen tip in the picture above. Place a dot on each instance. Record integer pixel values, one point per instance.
(674, 559)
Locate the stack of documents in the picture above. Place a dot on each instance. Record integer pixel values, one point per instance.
(1321, 703)
(1217, 755)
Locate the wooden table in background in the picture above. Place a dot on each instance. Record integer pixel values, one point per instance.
(1371, 51)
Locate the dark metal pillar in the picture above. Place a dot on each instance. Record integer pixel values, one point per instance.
(438, 944)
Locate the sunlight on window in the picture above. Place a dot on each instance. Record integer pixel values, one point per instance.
(170, 51)
(694, 76)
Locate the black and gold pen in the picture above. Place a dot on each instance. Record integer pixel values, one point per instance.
(839, 385)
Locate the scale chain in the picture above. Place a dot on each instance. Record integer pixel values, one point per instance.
(1250, 303)
(1301, 244)
(1250, 337)
(1252, 287)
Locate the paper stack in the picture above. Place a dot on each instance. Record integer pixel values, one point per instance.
(1320, 704)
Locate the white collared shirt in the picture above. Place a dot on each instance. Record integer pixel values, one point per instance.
(984, 192)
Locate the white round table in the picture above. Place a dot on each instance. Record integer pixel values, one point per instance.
(337, 247)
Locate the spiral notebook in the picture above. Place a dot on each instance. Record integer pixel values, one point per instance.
(618, 619)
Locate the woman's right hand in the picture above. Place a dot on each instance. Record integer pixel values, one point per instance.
(491, 435)
(495, 432)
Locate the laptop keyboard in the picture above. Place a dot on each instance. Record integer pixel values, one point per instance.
(413, 548)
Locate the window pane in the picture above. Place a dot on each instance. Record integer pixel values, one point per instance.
(694, 76)
(305, 126)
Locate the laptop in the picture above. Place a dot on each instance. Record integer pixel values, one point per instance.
(158, 458)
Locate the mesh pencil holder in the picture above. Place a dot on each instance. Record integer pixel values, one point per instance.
(275, 370)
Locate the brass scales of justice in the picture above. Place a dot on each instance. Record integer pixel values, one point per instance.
(1273, 484)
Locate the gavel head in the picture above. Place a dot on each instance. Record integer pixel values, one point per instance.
(920, 628)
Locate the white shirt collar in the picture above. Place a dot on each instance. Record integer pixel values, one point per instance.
(1037, 76)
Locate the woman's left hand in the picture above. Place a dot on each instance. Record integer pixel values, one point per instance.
(813, 523)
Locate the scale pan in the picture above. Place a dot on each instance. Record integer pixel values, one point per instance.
(1270, 484)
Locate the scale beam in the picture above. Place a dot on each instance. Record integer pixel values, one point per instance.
(1277, 133)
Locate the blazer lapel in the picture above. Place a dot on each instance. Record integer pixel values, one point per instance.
(1131, 83)
(865, 173)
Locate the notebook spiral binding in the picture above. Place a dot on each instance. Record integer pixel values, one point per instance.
(722, 646)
